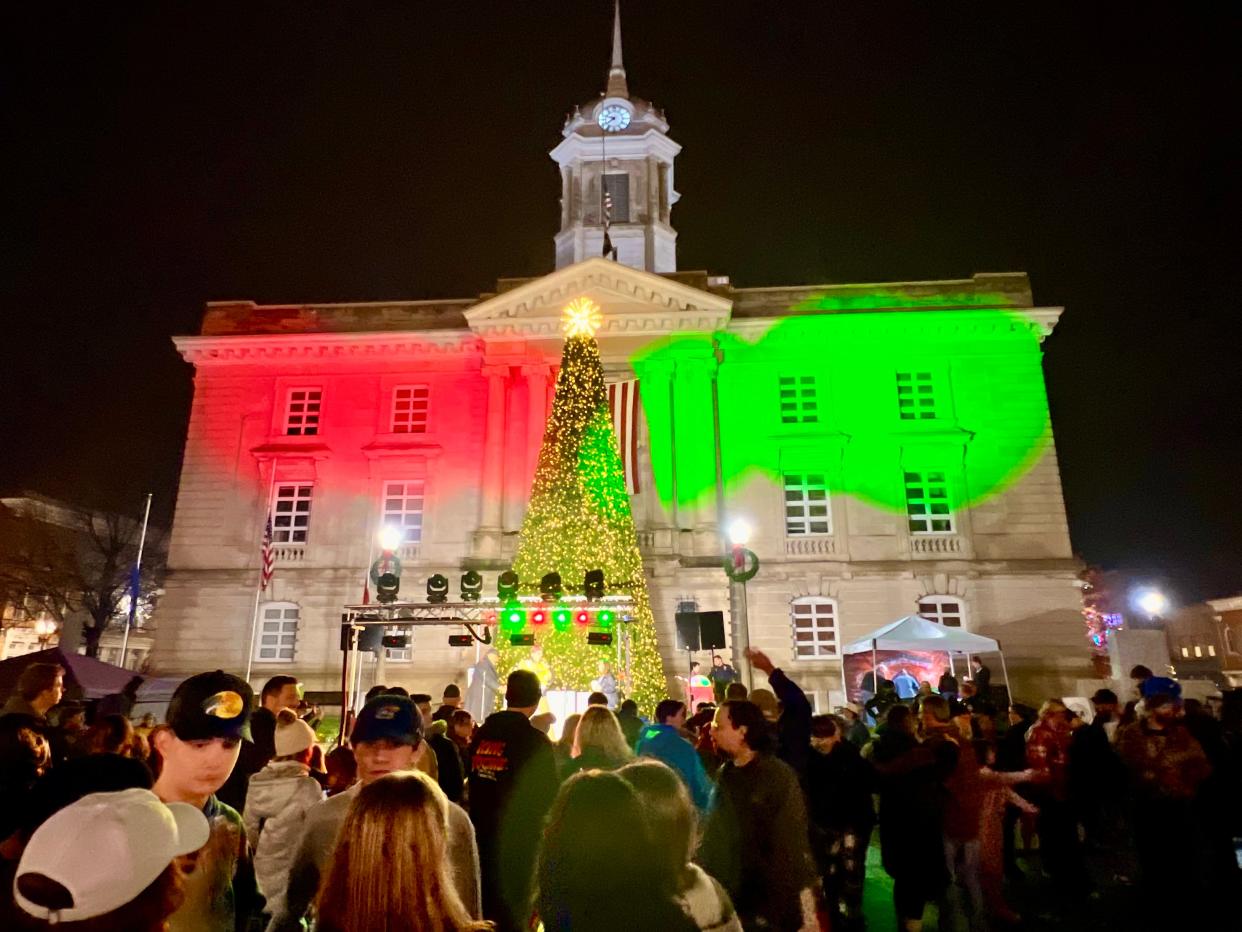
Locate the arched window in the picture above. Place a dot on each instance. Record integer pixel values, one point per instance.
(277, 638)
(944, 610)
(814, 627)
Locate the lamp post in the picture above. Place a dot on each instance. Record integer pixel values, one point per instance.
(740, 565)
(44, 628)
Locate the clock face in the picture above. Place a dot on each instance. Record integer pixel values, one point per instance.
(614, 118)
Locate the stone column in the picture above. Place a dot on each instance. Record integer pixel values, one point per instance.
(696, 455)
(491, 495)
(536, 415)
(515, 484)
(655, 386)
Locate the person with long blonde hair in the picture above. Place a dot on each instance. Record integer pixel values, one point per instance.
(389, 870)
(599, 743)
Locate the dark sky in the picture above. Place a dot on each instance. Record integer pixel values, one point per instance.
(163, 155)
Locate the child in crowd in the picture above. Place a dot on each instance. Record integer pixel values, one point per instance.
(276, 805)
(206, 722)
(108, 861)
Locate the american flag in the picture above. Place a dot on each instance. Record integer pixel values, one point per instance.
(624, 407)
(267, 557)
(608, 250)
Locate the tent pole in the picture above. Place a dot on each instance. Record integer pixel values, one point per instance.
(1005, 673)
(845, 688)
(875, 670)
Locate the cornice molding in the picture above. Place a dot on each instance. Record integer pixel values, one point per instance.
(948, 322)
(263, 348)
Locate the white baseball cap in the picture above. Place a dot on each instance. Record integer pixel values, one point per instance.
(107, 848)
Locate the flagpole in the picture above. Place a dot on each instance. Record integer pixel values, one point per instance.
(134, 586)
(254, 612)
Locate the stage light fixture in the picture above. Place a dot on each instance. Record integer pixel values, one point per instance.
(538, 617)
(562, 618)
(507, 585)
(397, 641)
(387, 585)
(513, 618)
(460, 640)
(550, 586)
(600, 638)
(583, 617)
(593, 584)
(471, 586)
(605, 618)
(437, 588)
(522, 640)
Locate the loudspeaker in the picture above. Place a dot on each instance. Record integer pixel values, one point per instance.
(371, 637)
(687, 630)
(711, 630)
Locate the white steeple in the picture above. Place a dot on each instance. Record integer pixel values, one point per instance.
(617, 143)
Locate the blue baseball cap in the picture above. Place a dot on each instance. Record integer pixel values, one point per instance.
(387, 717)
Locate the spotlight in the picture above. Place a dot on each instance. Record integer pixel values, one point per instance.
(593, 584)
(513, 618)
(437, 588)
(390, 538)
(507, 586)
(538, 617)
(471, 586)
(562, 618)
(386, 588)
(550, 586)
(605, 618)
(583, 617)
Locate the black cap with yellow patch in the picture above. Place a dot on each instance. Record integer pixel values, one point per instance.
(211, 705)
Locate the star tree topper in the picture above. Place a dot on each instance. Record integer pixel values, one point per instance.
(582, 318)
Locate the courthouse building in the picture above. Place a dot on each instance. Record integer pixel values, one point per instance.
(860, 431)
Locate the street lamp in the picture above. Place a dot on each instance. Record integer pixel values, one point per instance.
(740, 565)
(44, 628)
(1152, 602)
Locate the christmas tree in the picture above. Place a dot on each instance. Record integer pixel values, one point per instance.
(579, 519)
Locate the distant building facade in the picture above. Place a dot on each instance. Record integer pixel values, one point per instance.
(860, 431)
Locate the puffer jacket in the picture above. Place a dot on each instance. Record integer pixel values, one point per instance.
(276, 806)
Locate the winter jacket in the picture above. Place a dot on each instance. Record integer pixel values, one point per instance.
(665, 743)
(705, 901)
(276, 805)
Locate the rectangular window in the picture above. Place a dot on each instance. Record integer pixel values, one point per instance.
(617, 187)
(927, 503)
(942, 611)
(807, 507)
(1211, 650)
(799, 400)
(814, 628)
(409, 409)
(916, 396)
(278, 633)
(302, 412)
(291, 518)
(403, 508)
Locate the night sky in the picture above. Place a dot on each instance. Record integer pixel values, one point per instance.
(162, 156)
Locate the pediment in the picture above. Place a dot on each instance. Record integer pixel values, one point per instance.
(635, 303)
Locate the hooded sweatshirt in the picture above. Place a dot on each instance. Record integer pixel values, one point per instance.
(276, 805)
(665, 743)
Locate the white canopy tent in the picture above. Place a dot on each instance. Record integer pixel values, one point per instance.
(915, 632)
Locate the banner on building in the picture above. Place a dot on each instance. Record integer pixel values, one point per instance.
(623, 403)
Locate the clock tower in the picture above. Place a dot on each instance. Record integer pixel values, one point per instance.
(616, 164)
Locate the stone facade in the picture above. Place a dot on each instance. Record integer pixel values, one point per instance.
(482, 370)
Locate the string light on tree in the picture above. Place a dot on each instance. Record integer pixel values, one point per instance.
(579, 520)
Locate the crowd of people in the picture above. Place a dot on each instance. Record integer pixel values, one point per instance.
(752, 813)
